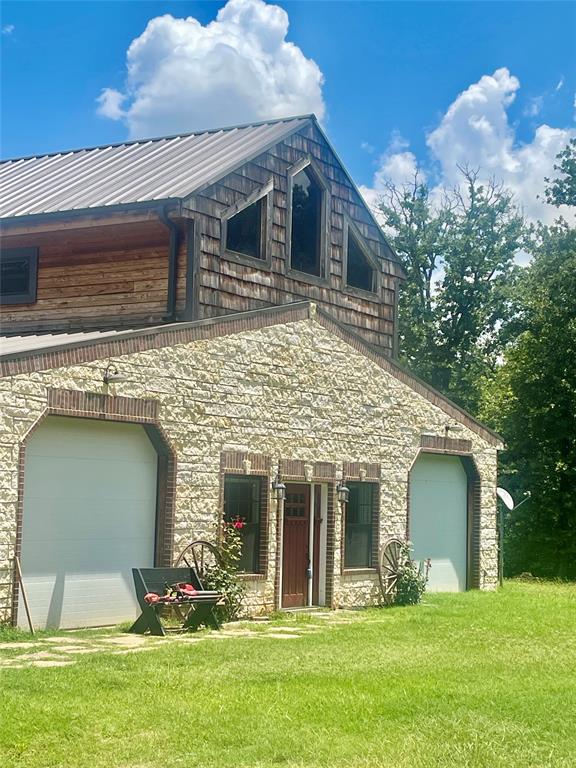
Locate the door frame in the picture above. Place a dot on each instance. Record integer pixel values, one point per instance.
(323, 490)
(130, 410)
(473, 510)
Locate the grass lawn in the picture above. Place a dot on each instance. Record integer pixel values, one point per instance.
(475, 679)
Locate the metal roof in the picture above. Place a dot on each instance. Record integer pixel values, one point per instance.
(16, 345)
(148, 170)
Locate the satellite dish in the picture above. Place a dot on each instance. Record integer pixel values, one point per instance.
(506, 498)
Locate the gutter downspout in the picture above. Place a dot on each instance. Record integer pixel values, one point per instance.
(172, 263)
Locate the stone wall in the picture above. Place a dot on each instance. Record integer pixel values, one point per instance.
(293, 390)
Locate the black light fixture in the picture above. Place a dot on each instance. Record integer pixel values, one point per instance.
(278, 486)
(112, 374)
(343, 491)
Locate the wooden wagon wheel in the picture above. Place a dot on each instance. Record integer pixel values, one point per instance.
(389, 563)
(200, 555)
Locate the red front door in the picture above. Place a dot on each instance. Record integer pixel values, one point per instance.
(295, 558)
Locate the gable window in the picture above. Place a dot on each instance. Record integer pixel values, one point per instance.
(18, 274)
(243, 500)
(360, 272)
(244, 231)
(360, 534)
(306, 223)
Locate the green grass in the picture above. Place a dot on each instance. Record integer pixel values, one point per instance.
(466, 681)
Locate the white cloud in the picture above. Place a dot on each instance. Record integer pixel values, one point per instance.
(534, 106)
(7, 29)
(560, 83)
(110, 104)
(476, 131)
(183, 76)
(397, 165)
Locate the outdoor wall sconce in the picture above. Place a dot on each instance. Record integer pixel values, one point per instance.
(278, 486)
(112, 374)
(343, 492)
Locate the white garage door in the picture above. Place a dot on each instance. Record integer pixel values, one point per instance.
(89, 517)
(438, 519)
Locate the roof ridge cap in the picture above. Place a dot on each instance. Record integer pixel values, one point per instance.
(151, 139)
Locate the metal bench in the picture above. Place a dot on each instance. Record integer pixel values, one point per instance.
(193, 610)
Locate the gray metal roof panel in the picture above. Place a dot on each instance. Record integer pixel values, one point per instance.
(13, 345)
(132, 172)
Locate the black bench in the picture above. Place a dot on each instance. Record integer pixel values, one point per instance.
(194, 610)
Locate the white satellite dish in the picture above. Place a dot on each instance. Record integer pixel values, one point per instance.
(506, 498)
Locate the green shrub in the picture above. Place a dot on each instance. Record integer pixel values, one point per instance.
(223, 575)
(411, 582)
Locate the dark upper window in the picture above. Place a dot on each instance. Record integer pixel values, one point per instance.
(360, 527)
(242, 499)
(307, 198)
(244, 231)
(360, 273)
(18, 272)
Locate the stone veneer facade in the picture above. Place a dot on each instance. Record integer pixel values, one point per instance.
(289, 387)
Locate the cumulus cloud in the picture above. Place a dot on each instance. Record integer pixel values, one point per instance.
(110, 104)
(183, 76)
(476, 131)
(7, 29)
(397, 165)
(534, 106)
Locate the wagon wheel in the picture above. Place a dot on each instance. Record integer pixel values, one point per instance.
(389, 564)
(200, 555)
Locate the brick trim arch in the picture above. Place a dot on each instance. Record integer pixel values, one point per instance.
(88, 405)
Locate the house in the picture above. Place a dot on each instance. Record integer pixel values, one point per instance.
(186, 319)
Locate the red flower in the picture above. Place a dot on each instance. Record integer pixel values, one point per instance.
(238, 523)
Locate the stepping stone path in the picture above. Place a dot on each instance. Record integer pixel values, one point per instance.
(66, 649)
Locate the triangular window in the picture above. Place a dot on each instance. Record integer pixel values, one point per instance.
(360, 272)
(244, 231)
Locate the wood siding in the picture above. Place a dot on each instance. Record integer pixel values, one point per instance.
(224, 285)
(94, 277)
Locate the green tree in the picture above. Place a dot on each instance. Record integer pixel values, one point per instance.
(458, 250)
(562, 190)
(533, 399)
(533, 405)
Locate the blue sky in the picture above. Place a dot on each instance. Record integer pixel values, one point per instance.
(389, 78)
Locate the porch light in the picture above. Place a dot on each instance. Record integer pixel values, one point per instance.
(343, 492)
(112, 374)
(278, 486)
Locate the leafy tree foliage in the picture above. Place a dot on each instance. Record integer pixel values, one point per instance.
(533, 405)
(562, 191)
(458, 253)
(533, 400)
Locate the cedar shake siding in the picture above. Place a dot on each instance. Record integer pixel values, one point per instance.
(107, 269)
